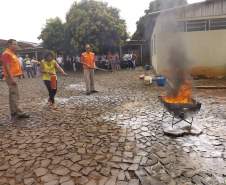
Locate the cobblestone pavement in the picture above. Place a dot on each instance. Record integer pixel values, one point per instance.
(114, 137)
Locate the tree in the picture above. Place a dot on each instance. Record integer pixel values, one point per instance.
(95, 23)
(154, 6)
(146, 24)
(53, 35)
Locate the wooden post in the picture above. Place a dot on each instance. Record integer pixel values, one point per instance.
(141, 54)
(120, 51)
(36, 55)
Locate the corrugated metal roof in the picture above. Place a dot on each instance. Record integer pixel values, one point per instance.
(184, 6)
(22, 44)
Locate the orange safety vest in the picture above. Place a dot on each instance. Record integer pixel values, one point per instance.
(89, 60)
(9, 57)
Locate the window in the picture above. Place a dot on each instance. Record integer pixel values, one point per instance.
(200, 25)
(218, 24)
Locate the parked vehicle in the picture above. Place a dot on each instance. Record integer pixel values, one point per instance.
(125, 57)
(125, 61)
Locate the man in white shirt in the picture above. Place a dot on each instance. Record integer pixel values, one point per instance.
(21, 60)
(34, 63)
(130, 63)
(28, 67)
(60, 60)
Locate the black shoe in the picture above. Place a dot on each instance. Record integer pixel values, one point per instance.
(22, 115)
(88, 93)
(94, 91)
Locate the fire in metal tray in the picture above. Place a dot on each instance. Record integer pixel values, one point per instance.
(182, 111)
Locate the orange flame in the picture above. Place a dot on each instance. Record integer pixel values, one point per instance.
(184, 95)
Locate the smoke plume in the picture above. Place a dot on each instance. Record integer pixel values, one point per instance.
(175, 61)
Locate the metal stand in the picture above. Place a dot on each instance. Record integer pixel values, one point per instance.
(174, 122)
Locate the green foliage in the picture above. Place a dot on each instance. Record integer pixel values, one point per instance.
(141, 26)
(95, 23)
(154, 6)
(90, 22)
(53, 35)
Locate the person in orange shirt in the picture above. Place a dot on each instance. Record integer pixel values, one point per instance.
(88, 61)
(12, 71)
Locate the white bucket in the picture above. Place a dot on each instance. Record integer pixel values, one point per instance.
(147, 80)
(151, 80)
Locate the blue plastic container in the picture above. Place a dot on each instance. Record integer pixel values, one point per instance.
(161, 81)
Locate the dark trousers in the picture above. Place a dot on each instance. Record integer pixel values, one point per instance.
(29, 72)
(130, 64)
(35, 70)
(52, 92)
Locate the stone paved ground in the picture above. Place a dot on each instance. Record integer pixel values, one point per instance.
(114, 137)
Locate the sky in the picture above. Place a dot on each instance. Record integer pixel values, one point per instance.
(23, 20)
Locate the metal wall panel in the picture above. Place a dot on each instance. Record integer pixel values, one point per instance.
(206, 9)
(224, 7)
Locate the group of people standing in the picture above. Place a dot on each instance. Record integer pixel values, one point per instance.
(73, 61)
(132, 60)
(12, 70)
(14, 66)
(29, 65)
(113, 61)
(110, 61)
